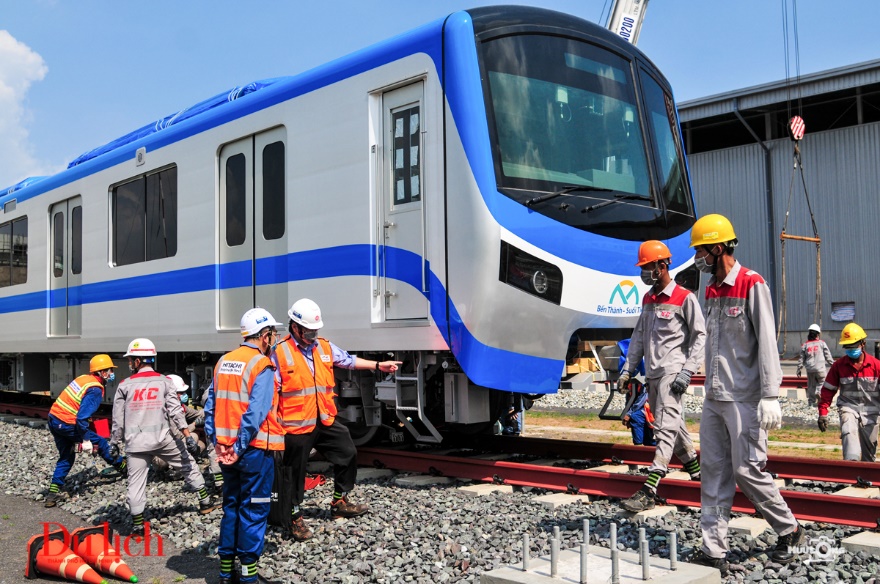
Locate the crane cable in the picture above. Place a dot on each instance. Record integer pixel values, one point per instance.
(796, 127)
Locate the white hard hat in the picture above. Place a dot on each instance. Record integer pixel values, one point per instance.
(179, 385)
(305, 312)
(815, 327)
(255, 320)
(141, 348)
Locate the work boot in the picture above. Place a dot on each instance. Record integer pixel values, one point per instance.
(695, 477)
(784, 552)
(52, 499)
(342, 508)
(642, 500)
(702, 559)
(299, 530)
(231, 579)
(207, 505)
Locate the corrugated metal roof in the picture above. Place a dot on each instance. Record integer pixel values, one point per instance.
(847, 77)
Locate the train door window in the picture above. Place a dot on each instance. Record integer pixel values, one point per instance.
(236, 200)
(145, 218)
(5, 254)
(667, 148)
(407, 139)
(58, 246)
(76, 240)
(19, 251)
(273, 191)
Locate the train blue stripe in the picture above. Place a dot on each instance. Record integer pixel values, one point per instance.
(485, 365)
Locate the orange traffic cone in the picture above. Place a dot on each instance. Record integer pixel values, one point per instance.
(49, 554)
(93, 545)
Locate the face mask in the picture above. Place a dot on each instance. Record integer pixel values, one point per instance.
(700, 263)
(648, 277)
(854, 353)
(184, 398)
(111, 378)
(309, 336)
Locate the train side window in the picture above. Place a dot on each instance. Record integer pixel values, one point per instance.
(76, 240)
(273, 191)
(236, 202)
(13, 252)
(58, 245)
(145, 218)
(162, 214)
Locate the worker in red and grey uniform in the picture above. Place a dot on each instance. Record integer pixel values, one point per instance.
(670, 334)
(144, 409)
(816, 357)
(743, 375)
(856, 374)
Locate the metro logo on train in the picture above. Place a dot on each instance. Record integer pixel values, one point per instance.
(619, 297)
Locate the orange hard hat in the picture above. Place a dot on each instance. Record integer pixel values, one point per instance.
(100, 362)
(651, 251)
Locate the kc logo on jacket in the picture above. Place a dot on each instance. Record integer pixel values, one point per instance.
(145, 394)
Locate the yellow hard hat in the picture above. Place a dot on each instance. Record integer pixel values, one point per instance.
(711, 229)
(852, 333)
(651, 251)
(100, 362)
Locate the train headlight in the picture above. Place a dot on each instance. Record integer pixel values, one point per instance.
(530, 274)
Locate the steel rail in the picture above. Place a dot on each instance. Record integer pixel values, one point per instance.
(786, 467)
(806, 506)
(788, 381)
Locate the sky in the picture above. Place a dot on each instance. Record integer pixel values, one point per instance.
(77, 74)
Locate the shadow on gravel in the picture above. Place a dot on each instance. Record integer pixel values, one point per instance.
(196, 567)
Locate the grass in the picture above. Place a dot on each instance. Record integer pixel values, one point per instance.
(562, 422)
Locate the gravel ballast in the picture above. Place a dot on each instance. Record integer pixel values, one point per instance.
(424, 534)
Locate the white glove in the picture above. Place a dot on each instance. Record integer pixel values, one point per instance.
(769, 413)
(86, 446)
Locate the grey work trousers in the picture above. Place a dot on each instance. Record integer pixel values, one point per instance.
(815, 381)
(858, 434)
(733, 453)
(171, 451)
(670, 431)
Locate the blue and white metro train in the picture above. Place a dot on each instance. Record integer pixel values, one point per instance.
(468, 196)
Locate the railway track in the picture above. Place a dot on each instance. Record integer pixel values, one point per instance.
(466, 463)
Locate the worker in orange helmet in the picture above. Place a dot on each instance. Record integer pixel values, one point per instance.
(670, 334)
(69, 423)
(856, 374)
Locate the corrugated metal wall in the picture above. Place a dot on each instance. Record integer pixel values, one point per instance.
(842, 174)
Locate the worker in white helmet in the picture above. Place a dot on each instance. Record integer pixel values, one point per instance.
(145, 408)
(815, 356)
(307, 410)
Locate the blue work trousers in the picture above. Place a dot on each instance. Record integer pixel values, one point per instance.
(247, 488)
(642, 432)
(66, 440)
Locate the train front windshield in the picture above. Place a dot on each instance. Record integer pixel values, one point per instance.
(565, 118)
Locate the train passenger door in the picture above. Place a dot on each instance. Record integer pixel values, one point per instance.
(65, 268)
(403, 277)
(253, 227)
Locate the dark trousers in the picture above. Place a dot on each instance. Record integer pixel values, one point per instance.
(247, 486)
(335, 444)
(66, 440)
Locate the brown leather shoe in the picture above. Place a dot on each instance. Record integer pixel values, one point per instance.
(299, 530)
(343, 508)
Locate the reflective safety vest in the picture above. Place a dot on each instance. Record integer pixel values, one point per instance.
(66, 407)
(234, 378)
(305, 396)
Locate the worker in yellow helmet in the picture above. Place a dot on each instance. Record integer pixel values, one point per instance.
(858, 405)
(69, 423)
(743, 375)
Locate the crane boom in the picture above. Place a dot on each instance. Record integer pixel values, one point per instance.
(625, 18)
